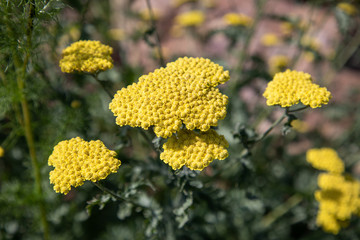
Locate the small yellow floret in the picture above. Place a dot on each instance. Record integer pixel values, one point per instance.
(348, 8)
(310, 43)
(194, 150)
(270, 39)
(299, 126)
(192, 18)
(76, 160)
(338, 200)
(290, 87)
(182, 93)
(86, 56)
(325, 159)
(236, 19)
(2, 152)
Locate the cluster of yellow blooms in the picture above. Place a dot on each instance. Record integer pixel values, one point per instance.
(290, 87)
(270, 39)
(194, 150)
(348, 8)
(182, 93)
(190, 19)
(339, 195)
(236, 19)
(86, 56)
(76, 160)
(325, 159)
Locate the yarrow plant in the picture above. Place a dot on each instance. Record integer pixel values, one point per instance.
(181, 95)
(86, 56)
(339, 197)
(237, 19)
(291, 87)
(77, 160)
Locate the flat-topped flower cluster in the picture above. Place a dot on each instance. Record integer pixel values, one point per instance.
(77, 160)
(181, 95)
(339, 194)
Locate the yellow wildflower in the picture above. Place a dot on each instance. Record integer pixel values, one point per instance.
(236, 19)
(76, 160)
(270, 39)
(2, 152)
(86, 56)
(145, 14)
(288, 27)
(194, 150)
(182, 93)
(278, 63)
(192, 18)
(338, 201)
(348, 8)
(309, 56)
(177, 31)
(325, 159)
(299, 125)
(289, 87)
(117, 34)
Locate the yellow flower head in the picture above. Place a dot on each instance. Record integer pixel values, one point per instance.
(194, 150)
(76, 160)
(278, 63)
(299, 125)
(236, 19)
(145, 14)
(117, 34)
(338, 199)
(181, 93)
(348, 8)
(2, 152)
(86, 56)
(290, 87)
(325, 159)
(270, 39)
(192, 18)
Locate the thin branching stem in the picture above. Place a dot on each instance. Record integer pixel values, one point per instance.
(157, 36)
(21, 76)
(102, 84)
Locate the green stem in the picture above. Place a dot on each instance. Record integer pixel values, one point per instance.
(244, 52)
(277, 122)
(108, 191)
(153, 25)
(27, 119)
(280, 210)
(102, 84)
(297, 110)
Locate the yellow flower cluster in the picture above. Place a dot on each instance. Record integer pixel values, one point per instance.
(182, 93)
(299, 125)
(278, 63)
(236, 19)
(2, 152)
(348, 8)
(194, 150)
(289, 87)
(192, 18)
(270, 39)
(86, 56)
(76, 160)
(338, 200)
(325, 159)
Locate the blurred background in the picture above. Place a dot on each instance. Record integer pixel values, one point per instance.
(264, 191)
